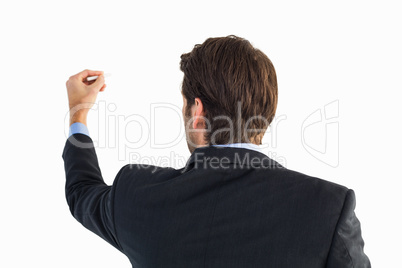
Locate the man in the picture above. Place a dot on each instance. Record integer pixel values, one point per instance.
(231, 205)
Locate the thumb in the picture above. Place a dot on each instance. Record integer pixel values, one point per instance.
(98, 84)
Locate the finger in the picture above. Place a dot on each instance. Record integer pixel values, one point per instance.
(99, 83)
(103, 88)
(88, 82)
(84, 74)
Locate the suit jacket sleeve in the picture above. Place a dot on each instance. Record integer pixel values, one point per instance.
(89, 198)
(347, 244)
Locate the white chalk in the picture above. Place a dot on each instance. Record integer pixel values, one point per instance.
(90, 78)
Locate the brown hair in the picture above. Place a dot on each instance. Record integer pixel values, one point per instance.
(228, 73)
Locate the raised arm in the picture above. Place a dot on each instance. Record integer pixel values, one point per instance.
(90, 200)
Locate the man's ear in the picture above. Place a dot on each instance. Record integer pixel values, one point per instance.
(198, 114)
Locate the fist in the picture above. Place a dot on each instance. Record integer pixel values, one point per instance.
(81, 93)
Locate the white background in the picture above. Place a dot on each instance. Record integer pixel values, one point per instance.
(346, 52)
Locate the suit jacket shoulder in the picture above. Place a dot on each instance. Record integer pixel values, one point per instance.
(246, 211)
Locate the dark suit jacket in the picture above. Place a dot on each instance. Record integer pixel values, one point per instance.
(228, 207)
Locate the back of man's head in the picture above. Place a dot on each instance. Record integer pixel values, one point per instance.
(237, 86)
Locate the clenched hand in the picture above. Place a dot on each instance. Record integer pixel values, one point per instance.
(82, 94)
